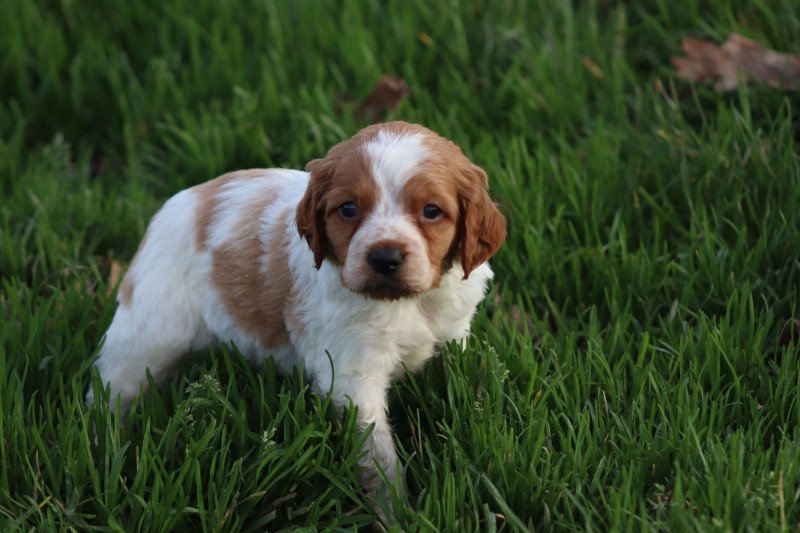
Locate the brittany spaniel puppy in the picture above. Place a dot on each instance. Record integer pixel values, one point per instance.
(376, 256)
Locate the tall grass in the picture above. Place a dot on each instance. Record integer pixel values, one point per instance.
(625, 373)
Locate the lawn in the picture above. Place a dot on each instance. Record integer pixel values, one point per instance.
(630, 369)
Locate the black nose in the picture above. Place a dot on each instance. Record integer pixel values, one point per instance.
(385, 260)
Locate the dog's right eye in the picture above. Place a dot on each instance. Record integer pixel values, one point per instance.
(348, 210)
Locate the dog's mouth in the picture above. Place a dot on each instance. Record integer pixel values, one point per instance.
(386, 288)
(389, 292)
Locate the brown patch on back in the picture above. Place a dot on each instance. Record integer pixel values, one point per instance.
(207, 200)
(253, 276)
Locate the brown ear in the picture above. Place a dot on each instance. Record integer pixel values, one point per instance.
(311, 209)
(482, 227)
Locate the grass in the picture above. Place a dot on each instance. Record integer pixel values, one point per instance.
(627, 371)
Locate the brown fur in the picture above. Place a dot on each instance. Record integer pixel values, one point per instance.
(253, 276)
(481, 226)
(343, 175)
(440, 190)
(207, 200)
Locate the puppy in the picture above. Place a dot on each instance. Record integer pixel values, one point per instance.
(376, 256)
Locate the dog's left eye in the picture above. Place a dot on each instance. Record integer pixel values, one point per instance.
(431, 212)
(348, 210)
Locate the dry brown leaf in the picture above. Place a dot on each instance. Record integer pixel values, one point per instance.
(736, 61)
(385, 96)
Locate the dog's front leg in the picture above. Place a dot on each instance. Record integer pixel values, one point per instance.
(379, 446)
(366, 387)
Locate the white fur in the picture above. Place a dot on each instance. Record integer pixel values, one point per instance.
(175, 307)
(395, 159)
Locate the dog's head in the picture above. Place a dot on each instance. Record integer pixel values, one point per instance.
(395, 206)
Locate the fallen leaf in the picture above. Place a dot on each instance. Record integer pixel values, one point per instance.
(736, 61)
(425, 39)
(386, 95)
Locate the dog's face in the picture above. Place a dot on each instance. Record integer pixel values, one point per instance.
(395, 206)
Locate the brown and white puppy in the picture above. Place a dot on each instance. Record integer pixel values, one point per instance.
(376, 255)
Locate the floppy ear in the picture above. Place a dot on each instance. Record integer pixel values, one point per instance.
(482, 228)
(310, 214)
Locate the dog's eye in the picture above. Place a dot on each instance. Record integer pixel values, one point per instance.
(348, 210)
(431, 212)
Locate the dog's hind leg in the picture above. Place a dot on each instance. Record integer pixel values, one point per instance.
(158, 319)
(150, 341)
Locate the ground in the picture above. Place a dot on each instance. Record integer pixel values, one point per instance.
(631, 369)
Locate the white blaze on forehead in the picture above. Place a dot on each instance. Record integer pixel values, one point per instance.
(395, 158)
